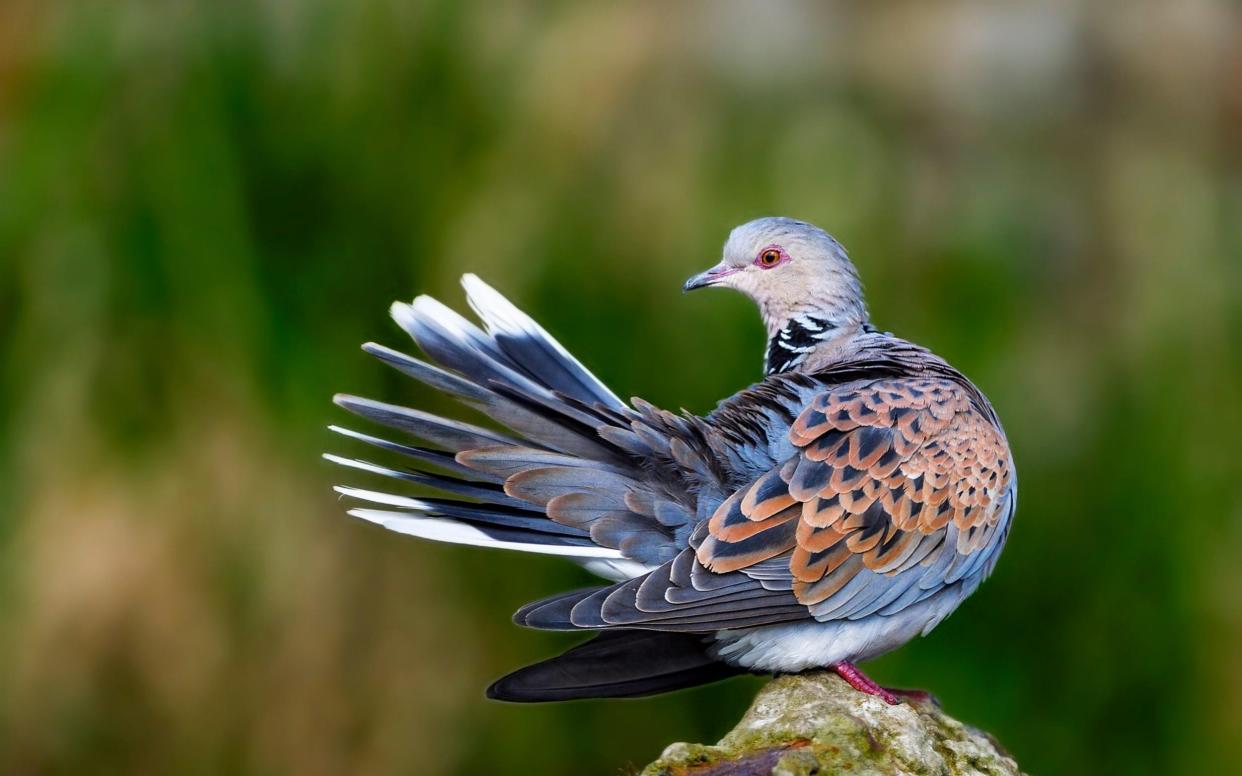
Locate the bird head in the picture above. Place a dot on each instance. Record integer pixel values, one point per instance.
(789, 268)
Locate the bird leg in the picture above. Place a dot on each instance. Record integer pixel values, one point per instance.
(863, 683)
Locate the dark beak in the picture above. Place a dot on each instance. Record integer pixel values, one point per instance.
(709, 278)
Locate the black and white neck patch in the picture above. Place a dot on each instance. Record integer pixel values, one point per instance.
(793, 343)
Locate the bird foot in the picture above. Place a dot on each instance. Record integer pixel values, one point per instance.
(863, 683)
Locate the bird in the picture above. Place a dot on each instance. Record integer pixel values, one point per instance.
(836, 509)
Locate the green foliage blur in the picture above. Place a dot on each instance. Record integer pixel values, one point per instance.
(206, 206)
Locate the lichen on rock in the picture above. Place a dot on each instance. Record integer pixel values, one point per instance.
(817, 724)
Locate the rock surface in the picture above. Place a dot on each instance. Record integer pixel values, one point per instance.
(817, 724)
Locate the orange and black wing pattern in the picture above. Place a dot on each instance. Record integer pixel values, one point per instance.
(897, 488)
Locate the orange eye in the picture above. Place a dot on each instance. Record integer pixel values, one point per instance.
(769, 258)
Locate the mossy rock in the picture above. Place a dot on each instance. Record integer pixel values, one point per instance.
(817, 724)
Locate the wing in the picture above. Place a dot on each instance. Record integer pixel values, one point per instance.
(897, 489)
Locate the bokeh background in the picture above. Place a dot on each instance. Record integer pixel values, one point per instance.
(206, 206)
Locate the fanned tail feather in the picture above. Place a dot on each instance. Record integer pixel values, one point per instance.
(564, 479)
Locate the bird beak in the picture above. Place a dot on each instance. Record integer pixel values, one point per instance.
(709, 278)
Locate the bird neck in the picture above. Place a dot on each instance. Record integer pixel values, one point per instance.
(805, 341)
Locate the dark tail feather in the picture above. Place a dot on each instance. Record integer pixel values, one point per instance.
(616, 664)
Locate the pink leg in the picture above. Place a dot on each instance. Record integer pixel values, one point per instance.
(863, 683)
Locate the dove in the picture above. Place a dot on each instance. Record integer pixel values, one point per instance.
(843, 505)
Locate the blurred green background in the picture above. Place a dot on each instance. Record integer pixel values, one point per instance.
(206, 206)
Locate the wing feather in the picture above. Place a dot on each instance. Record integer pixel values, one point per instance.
(897, 488)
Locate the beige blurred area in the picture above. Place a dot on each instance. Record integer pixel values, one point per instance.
(210, 592)
(206, 207)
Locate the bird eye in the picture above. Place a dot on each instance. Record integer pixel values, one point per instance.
(769, 258)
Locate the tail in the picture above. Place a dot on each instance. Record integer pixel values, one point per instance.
(566, 476)
(616, 664)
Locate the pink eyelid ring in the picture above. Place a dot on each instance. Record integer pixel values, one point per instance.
(759, 257)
